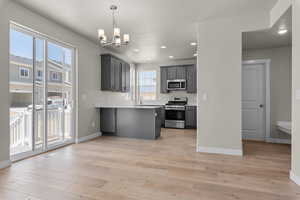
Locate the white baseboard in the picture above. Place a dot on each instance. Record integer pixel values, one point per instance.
(89, 137)
(278, 141)
(294, 178)
(225, 151)
(5, 164)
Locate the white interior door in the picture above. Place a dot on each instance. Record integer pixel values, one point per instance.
(253, 101)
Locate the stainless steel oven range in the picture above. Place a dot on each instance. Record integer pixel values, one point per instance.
(175, 113)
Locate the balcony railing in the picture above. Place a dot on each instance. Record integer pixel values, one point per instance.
(21, 128)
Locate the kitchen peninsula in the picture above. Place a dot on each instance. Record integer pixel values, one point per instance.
(142, 122)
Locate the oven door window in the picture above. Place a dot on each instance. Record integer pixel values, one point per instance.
(175, 115)
(174, 85)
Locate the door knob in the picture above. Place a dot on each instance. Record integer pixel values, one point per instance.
(261, 105)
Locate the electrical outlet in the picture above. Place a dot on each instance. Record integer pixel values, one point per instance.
(93, 124)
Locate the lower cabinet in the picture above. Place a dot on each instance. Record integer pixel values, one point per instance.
(108, 120)
(142, 123)
(163, 117)
(191, 117)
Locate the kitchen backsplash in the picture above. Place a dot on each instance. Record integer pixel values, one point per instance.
(164, 98)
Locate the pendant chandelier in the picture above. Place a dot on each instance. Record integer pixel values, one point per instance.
(116, 40)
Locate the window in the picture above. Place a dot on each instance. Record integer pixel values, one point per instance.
(24, 72)
(147, 85)
(55, 53)
(54, 76)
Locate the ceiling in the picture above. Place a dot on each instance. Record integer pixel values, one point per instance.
(270, 38)
(151, 23)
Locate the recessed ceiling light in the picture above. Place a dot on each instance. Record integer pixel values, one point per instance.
(136, 50)
(195, 54)
(282, 31)
(163, 47)
(171, 57)
(193, 43)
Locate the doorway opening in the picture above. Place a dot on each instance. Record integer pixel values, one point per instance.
(266, 84)
(42, 93)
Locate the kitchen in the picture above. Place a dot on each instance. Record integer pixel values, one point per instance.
(164, 95)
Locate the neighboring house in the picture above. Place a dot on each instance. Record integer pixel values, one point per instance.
(21, 81)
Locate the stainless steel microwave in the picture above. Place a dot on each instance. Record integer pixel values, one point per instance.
(173, 85)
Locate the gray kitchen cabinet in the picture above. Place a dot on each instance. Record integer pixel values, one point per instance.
(133, 122)
(172, 73)
(163, 79)
(118, 76)
(107, 73)
(108, 120)
(185, 72)
(163, 116)
(191, 117)
(115, 74)
(181, 72)
(127, 77)
(191, 77)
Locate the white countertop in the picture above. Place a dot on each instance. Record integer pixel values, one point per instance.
(128, 106)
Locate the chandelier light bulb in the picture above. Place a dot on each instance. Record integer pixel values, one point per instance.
(104, 39)
(118, 41)
(126, 38)
(101, 33)
(117, 32)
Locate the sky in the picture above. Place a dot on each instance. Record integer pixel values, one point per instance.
(21, 44)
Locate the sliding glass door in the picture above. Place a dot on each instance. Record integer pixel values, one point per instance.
(59, 110)
(41, 90)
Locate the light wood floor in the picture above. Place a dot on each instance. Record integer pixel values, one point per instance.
(112, 168)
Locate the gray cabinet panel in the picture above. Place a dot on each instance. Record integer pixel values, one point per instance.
(108, 120)
(163, 80)
(123, 77)
(105, 73)
(172, 73)
(191, 79)
(191, 117)
(181, 72)
(118, 75)
(163, 116)
(127, 77)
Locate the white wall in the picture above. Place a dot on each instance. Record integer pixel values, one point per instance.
(295, 90)
(219, 78)
(88, 71)
(281, 83)
(163, 98)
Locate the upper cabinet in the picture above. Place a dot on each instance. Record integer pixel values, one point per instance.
(176, 72)
(115, 74)
(185, 72)
(191, 77)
